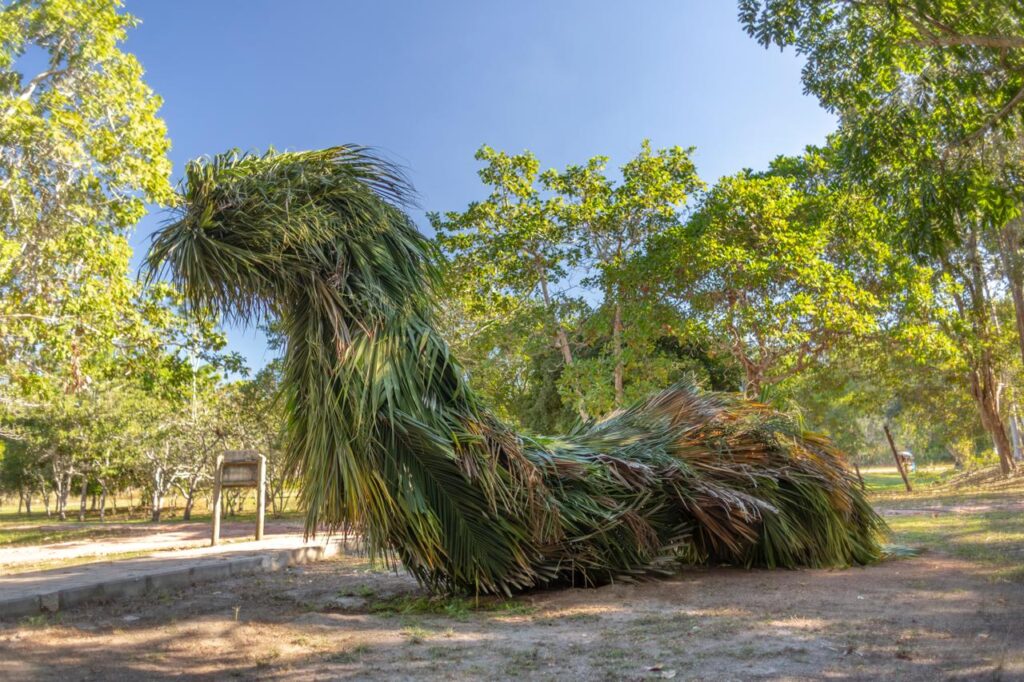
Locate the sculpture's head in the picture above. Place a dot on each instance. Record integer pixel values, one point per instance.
(256, 235)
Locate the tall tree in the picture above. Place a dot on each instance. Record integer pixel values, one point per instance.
(898, 68)
(929, 95)
(81, 152)
(511, 244)
(611, 222)
(781, 268)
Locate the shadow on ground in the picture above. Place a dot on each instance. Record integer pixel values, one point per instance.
(925, 618)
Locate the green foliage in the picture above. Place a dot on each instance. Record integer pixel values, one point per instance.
(929, 97)
(512, 258)
(779, 267)
(938, 70)
(83, 151)
(386, 435)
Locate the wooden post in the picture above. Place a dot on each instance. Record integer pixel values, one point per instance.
(859, 477)
(261, 496)
(896, 456)
(215, 536)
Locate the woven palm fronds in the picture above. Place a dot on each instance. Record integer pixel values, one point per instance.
(386, 436)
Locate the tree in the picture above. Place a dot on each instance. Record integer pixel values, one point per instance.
(953, 69)
(780, 268)
(83, 151)
(511, 247)
(20, 473)
(610, 223)
(184, 413)
(537, 233)
(254, 411)
(929, 95)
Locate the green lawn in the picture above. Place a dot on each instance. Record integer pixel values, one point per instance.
(972, 524)
(21, 529)
(887, 479)
(994, 538)
(12, 537)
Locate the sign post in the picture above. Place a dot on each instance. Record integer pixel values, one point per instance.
(240, 469)
(896, 456)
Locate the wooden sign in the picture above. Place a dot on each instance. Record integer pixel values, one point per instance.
(240, 469)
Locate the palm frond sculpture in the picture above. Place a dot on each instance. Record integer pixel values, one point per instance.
(386, 435)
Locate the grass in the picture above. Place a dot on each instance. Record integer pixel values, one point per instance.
(455, 607)
(15, 537)
(888, 480)
(937, 517)
(172, 510)
(994, 538)
(20, 529)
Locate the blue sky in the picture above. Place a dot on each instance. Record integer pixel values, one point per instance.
(428, 83)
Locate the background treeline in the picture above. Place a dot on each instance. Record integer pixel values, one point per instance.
(107, 384)
(875, 279)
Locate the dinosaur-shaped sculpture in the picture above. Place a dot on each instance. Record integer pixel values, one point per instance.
(386, 436)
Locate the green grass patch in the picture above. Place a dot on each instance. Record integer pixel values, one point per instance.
(995, 537)
(454, 607)
(15, 537)
(881, 480)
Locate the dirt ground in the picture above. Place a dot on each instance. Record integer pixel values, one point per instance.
(929, 617)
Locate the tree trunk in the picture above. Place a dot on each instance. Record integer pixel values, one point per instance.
(752, 383)
(984, 387)
(1009, 241)
(103, 502)
(282, 495)
(983, 390)
(190, 500)
(620, 394)
(158, 496)
(85, 498)
(63, 483)
(896, 458)
(1018, 447)
(560, 335)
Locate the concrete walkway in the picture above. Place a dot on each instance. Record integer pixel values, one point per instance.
(33, 592)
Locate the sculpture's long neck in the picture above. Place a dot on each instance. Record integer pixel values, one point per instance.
(374, 401)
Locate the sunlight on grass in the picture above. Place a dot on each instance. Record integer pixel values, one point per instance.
(887, 479)
(995, 538)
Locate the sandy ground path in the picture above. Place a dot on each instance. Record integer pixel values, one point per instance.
(130, 537)
(930, 617)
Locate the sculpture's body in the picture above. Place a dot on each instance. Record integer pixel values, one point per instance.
(386, 436)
